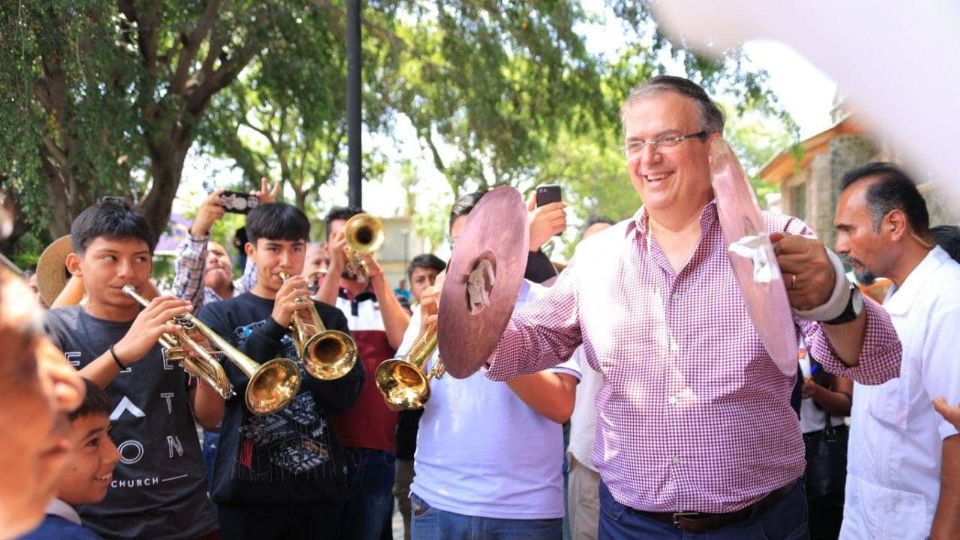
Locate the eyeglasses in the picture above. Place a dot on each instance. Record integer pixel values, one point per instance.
(635, 148)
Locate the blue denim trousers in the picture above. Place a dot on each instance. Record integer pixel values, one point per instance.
(434, 524)
(786, 519)
(211, 439)
(369, 510)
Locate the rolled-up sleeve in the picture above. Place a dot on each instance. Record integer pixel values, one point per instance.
(880, 353)
(188, 281)
(540, 334)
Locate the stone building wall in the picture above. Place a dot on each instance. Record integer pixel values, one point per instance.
(820, 180)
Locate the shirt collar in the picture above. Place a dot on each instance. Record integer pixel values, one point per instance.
(899, 300)
(366, 294)
(64, 510)
(640, 223)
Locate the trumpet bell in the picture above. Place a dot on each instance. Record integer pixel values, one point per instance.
(272, 386)
(364, 233)
(330, 355)
(402, 384)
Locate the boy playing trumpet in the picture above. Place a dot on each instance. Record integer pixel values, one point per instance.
(158, 488)
(279, 475)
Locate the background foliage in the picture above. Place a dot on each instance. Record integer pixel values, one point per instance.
(108, 97)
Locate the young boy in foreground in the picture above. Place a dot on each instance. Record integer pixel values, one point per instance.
(89, 473)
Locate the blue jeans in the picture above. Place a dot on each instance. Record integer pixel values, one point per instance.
(433, 524)
(785, 520)
(370, 506)
(211, 439)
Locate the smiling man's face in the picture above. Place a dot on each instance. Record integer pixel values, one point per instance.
(673, 178)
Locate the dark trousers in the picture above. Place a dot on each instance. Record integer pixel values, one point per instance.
(786, 519)
(313, 521)
(370, 506)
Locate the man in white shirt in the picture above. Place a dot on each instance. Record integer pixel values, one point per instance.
(483, 475)
(583, 483)
(904, 458)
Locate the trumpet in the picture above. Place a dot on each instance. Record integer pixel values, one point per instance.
(402, 381)
(271, 385)
(364, 234)
(326, 354)
(204, 364)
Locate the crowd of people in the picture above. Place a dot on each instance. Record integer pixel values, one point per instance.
(630, 395)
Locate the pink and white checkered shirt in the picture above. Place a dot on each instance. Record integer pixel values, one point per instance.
(693, 415)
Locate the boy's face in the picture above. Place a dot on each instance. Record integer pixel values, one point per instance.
(94, 457)
(107, 265)
(272, 257)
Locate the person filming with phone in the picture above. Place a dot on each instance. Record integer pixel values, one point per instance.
(204, 273)
(547, 215)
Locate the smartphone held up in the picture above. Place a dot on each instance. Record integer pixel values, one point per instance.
(238, 202)
(546, 194)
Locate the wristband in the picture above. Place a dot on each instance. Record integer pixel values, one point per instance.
(116, 359)
(835, 306)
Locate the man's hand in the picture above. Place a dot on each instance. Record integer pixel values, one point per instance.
(810, 389)
(807, 271)
(336, 249)
(202, 342)
(371, 267)
(292, 296)
(154, 321)
(211, 209)
(544, 222)
(950, 414)
(430, 304)
(267, 194)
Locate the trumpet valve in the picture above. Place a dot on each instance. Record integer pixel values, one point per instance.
(174, 354)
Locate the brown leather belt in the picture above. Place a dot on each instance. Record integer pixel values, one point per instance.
(698, 522)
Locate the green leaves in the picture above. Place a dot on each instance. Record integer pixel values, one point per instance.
(107, 98)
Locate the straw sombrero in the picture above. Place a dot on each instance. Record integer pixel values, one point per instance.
(52, 274)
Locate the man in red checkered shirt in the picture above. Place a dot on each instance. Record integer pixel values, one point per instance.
(695, 431)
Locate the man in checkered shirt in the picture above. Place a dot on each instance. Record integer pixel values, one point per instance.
(695, 432)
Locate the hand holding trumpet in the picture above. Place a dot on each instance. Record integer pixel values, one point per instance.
(292, 296)
(154, 321)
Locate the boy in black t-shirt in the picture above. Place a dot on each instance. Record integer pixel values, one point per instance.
(279, 475)
(158, 488)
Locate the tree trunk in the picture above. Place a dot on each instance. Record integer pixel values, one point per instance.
(61, 213)
(301, 198)
(166, 164)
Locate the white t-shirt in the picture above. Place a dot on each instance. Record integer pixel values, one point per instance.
(583, 423)
(813, 418)
(893, 471)
(481, 451)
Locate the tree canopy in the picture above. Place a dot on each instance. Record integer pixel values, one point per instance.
(105, 98)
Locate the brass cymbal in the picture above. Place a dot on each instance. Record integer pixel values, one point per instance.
(752, 258)
(483, 281)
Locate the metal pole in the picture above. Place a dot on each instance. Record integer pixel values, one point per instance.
(354, 118)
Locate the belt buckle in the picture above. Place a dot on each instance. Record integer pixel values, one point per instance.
(677, 516)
